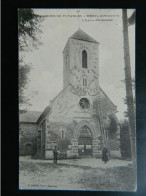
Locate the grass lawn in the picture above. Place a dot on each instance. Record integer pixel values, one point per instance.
(37, 175)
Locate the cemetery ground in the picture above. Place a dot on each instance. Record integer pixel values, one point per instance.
(76, 174)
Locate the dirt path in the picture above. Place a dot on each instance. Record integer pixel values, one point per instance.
(49, 176)
(83, 162)
(38, 174)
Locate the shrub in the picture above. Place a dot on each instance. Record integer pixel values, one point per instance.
(112, 128)
(63, 145)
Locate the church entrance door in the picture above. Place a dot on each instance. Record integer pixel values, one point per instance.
(85, 142)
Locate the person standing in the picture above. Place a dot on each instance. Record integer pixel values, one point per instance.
(105, 155)
(55, 154)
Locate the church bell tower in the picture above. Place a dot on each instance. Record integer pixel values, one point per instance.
(81, 63)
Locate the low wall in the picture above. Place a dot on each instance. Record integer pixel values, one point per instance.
(115, 154)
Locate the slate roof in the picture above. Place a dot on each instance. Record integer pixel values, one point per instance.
(107, 97)
(81, 35)
(30, 116)
(43, 114)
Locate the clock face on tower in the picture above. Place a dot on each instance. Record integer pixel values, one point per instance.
(84, 103)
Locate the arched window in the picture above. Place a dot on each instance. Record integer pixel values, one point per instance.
(84, 59)
(84, 82)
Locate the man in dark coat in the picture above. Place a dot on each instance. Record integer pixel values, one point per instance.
(55, 154)
(105, 155)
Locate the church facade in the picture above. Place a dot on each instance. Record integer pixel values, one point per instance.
(78, 120)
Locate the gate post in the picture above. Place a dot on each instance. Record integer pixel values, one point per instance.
(74, 150)
(95, 148)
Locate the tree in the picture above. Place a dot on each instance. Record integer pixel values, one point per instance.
(63, 144)
(28, 36)
(129, 94)
(28, 29)
(112, 127)
(24, 70)
(125, 139)
(125, 99)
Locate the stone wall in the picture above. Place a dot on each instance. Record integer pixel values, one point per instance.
(71, 134)
(27, 138)
(66, 113)
(73, 71)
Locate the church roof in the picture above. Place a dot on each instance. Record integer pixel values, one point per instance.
(43, 114)
(29, 116)
(107, 97)
(81, 35)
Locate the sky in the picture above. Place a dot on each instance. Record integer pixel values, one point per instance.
(46, 77)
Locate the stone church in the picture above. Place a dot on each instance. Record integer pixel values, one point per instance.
(78, 119)
(81, 119)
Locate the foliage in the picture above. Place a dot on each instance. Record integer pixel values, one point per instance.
(126, 101)
(129, 99)
(24, 70)
(132, 82)
(129, 93)
(112, 127)
(28, 29)
(28, 37)
(63, 145)
(125, 139)
(131, 19)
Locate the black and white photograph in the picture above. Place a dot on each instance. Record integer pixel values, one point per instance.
(77, 127)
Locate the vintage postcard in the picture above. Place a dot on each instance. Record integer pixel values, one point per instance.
(76, 99)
